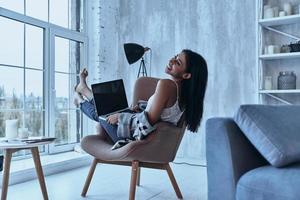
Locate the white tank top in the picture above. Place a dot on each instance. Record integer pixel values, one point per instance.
(171, 114)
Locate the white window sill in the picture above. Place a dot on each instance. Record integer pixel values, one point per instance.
(24, 170)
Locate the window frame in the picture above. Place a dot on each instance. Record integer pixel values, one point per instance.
(70, 36)
(49, 32)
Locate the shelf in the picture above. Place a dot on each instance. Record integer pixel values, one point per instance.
(280, 56)
(277, 21)
(279, 91)
(276, 31)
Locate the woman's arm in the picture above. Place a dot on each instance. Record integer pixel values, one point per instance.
(164, 90)
(161, 97)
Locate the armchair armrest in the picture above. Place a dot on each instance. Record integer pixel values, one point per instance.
(159, 147)
(229, 155)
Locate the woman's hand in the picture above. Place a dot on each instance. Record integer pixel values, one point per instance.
(113, 119)
(135, 108)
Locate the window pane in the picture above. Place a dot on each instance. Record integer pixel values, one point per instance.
(62, 91)
(74, 126)
(67, 126)
(68, 55)
(8, 116)
(37, 9)
(76, 56)
(34, 47)
(34, 123)
(14, 5)
(62, 54)
(12, 90)
(68, 14)
(34, 89)
(72, 82)
(2, 97)
(12, 38)
(61, 126)
(64, 86)
(59, 12)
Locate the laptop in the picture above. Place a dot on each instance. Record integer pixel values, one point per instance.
(110, 98)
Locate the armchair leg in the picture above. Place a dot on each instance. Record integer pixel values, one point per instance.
(173, 181)
(133, 182)
(138, 176)
(89, 178)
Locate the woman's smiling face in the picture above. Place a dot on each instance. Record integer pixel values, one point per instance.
(177, 66)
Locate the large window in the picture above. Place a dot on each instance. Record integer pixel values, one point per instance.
(64, 13)
(21, 77)
(43, 48)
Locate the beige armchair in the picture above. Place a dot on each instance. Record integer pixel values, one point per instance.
(156, 151)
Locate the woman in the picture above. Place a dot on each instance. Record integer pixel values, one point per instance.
(184, 92)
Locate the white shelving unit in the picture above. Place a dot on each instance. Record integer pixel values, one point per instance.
(279, 91)
(277, 28)
(277, 21)
(279, 56)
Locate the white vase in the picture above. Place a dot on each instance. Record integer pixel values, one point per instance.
(268, 83)
(276, 11)
(287, 7)
(271, 49)
(268, 13)
(11, 128)
(282, 13)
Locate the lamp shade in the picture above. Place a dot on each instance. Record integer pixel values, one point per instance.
(133, 52)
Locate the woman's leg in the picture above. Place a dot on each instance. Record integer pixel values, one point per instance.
(77, 99)
(88, 108)
(110, 129)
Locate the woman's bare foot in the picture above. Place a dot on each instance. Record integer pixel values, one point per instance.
(77, 99)
(82, 87)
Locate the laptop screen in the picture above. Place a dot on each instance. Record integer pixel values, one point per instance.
(109, 97)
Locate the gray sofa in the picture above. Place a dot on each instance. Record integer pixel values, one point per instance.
(236, 170)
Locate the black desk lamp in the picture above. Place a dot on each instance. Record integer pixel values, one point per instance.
(133, 53)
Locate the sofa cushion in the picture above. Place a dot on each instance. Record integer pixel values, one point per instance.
(269, 182)
(273, 130)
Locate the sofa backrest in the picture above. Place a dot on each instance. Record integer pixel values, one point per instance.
(229, 155)
(273, 130)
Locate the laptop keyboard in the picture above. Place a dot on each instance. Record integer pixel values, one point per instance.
(103, 117)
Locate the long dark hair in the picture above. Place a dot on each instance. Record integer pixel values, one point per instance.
(193, 89)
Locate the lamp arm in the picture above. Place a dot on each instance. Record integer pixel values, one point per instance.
(146, 49)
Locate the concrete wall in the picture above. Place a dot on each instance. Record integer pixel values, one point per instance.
(103, 32)
(224, 32)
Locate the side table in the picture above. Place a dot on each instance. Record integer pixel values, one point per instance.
(10, 148)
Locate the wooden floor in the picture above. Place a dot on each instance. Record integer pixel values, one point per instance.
(112, 182)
